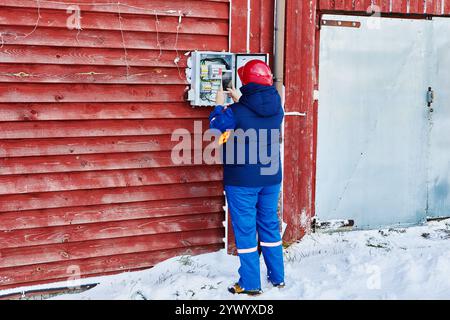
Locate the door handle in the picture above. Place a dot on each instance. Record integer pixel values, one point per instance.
(430, 98)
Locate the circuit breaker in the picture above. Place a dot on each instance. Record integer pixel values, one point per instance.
(207, 71)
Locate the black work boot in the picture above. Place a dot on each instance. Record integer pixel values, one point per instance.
(236, 288)
(277, 285)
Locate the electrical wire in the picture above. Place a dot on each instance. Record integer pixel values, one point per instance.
(39, 4)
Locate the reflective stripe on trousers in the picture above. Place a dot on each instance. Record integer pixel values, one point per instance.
(271, 244)
(250, 250)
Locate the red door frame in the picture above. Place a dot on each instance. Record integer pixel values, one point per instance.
(300, 132)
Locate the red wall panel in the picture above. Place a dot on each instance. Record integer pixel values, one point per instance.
(86, 115)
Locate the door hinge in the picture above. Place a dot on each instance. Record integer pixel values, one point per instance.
(341, 23)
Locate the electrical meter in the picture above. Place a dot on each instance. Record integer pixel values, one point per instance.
(207, 71)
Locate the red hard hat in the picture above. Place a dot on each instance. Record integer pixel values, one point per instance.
(256, 71)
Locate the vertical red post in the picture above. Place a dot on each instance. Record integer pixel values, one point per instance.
(238, 28)
(261, 41)
(255, 25)
(267, 24)
(300, 79)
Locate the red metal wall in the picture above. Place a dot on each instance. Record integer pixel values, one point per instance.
(86, 179)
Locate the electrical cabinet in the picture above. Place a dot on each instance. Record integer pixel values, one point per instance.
(207, 71)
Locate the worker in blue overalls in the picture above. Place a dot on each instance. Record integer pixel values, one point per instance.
(252, 194)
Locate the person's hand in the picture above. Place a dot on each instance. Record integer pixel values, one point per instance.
(220, 98)
(234, 93)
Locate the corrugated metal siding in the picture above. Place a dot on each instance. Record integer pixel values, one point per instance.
(431, 7)
(86, 179)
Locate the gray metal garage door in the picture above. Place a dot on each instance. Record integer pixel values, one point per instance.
(382, 155)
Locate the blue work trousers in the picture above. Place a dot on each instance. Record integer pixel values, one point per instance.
(254, 217)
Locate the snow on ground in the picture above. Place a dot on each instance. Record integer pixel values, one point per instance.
(412, 263)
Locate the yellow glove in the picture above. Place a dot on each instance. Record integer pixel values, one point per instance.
(224, 137)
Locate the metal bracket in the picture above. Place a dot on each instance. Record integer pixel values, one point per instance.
(341, 23)
(332, 226)
(430, 98)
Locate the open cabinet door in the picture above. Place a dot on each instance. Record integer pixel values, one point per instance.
(373, 121)
(439, 166)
